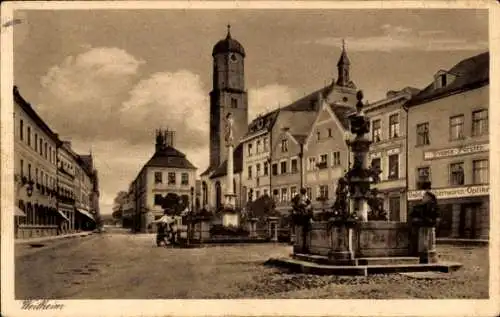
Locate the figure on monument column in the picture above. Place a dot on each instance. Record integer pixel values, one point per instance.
(229, 129)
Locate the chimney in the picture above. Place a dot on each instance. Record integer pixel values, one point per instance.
(170, 138)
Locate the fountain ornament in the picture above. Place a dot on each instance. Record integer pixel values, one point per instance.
(354, 197)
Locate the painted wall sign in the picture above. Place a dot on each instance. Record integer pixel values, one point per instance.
(476, 148)
(455, 192)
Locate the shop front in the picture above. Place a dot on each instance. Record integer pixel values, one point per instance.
(464, 211)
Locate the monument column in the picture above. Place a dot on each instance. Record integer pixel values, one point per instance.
(230, 196)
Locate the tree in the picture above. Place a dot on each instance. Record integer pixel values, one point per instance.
(173, 204)
(119, 201)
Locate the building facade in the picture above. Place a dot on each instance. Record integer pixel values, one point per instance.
(35, 173)
(50, 179)
(449, 144)
(388, 120)
(168, 171)
(86, 208)
(66, 173)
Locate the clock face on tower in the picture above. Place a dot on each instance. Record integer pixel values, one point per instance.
(233, 58)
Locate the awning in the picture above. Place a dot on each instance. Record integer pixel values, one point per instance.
(18, 212)
(85, 213)
(62, 214)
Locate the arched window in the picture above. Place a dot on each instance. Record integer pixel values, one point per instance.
(218, 195)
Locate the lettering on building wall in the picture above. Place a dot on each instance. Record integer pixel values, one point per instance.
(476, 148)
(447, 193)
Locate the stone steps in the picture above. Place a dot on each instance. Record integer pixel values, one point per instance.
(308, 267)
(321, 259)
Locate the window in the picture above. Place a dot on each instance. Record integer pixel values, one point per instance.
(323, 161)
(318, 135)
(36, 142)
(329, 132)
(284, 145)
(184, 179)
(266, 169)
(284, 194)
(309, 192)
(457, 173)
(258, 149)
(275, 169)
(336, 158)
(29, 171)
(480, 172)
(423, 134)
(45, 152)
(158, 199)
(249, 172)
(22, 168)
(275, 194)
(171, 178)
(312, 163)
(323, 192)
(265, 192)
(480, 122)
(394, 126)
(250, 149)
(36, 175)
(257, 172)
(41, 146)
(294, 166)
(257, 194)
(41, 178)
(21, 130)
(376, 130)
(394, 208)
(29, 136)
(424, 176)
(394, 166)
(283, 167)
(376, 162)
(234, 103)
(442, 81)
(457, 127)
(293, 192)
(265, 144)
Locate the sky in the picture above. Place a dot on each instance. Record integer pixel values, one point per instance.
(105, 80)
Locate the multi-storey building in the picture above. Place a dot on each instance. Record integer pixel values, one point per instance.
(66, 173)
(388, 149)
(449, 145)
(168, 171)
(35, 173)
(83, 189)
(327, 155)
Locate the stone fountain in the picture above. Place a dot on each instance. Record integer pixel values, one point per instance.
(350, 242)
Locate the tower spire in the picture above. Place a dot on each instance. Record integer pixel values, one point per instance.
(343, 66)
(228, 31)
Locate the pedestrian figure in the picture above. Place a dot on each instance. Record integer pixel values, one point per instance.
(161, 235)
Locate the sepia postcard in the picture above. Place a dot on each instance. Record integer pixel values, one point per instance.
(249, 158)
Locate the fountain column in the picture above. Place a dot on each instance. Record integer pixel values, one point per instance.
(358, 176)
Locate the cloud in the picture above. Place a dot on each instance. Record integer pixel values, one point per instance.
(267, 98)
(396, 37)
(174, 100)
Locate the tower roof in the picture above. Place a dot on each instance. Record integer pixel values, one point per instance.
(228, 45)
(343, 60)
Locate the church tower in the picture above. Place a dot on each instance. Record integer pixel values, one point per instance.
(343, 65)
(227, 96)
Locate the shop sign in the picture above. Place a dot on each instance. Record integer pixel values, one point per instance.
(476, 148)
(455, 192)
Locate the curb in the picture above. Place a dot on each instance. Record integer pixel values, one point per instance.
(43, 240)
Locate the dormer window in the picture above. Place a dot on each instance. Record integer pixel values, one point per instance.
(284, 145)
(442, 80)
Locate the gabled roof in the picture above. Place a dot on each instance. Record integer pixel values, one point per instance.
(470, 73)
(309, 102)
(300, 138)
(342, 113)
(221, 170)
(169, 157)
(262, 122)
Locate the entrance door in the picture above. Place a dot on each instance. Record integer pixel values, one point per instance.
(467, 226)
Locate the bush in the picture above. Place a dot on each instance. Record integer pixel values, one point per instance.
(220, 230)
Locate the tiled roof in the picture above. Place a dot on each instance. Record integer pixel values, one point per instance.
(26, 106)
(309, 102)
(262, 122)
(342, 113)
(169, 157)
(221, 170)
(470, 73)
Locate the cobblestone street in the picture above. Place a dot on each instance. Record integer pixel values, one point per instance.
(121, 265)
